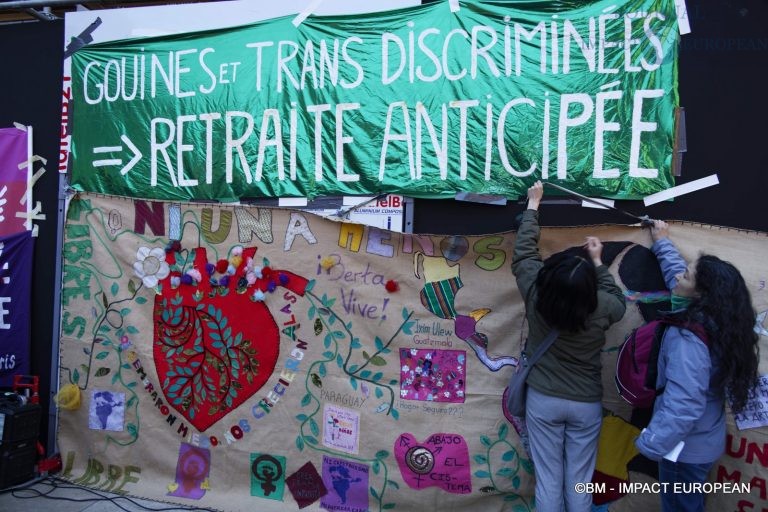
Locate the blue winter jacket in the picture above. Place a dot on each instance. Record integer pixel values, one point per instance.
(691, 408)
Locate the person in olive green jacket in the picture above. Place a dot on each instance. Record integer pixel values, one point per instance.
(579, 298)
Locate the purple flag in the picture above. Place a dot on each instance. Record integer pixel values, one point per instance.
(13, 181)
(15, 282)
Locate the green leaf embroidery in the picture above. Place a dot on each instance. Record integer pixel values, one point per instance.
(378, 361)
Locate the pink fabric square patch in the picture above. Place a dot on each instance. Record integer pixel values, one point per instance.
(432, 375)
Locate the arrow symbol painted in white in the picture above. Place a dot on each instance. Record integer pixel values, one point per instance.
(117, 161)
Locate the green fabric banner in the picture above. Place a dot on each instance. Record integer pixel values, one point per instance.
(422, 102)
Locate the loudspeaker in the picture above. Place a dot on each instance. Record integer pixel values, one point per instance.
(18, 419)
(17, 462)
(19, 429)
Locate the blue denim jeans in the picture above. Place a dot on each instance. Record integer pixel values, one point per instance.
(684, 500)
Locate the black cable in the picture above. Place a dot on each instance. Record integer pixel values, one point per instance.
(60, 484)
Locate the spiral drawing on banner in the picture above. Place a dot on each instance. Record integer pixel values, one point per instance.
(419, 460)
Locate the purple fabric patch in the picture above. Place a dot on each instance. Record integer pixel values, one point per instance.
(191, 471)
(347, 484)
(306, 485)
(432, 375)
(15, 314)
(13, 181)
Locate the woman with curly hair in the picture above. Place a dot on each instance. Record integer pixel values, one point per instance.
(695, 375)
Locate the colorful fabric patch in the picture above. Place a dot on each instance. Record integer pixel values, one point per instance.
(107, 411)
(192, 471)
(439, 297)
(441, 461)
(341, 428)
(306, 485)
(347, 484)
(214, 346)
(616, 447)
(267, 476)
(432, 375)
(647, 297)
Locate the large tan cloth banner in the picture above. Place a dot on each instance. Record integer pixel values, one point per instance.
(241, 358)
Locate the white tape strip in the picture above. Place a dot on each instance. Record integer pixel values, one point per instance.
(34, 231)
(35, 177)
(35, 158)
(355, 200)
(292, 201)
(679, 190)
(20, 126)
(606, 202)
(682, 17)
(32, 215)
(454, 4)
(2, 203)
(299, 19)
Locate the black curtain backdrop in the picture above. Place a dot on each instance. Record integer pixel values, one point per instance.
(723, 86)
(30, 94)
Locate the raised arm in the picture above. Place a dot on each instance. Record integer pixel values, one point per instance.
(670, 260)
(526, 260)
(605, 281)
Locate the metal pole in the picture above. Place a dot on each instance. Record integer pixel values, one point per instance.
(53, 410)
(24, 4)
(40, 15)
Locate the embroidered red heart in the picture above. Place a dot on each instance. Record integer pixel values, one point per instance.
(215, 340)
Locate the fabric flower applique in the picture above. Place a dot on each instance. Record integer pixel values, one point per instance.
(150, 266)
(194, 276)
(328, 263)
